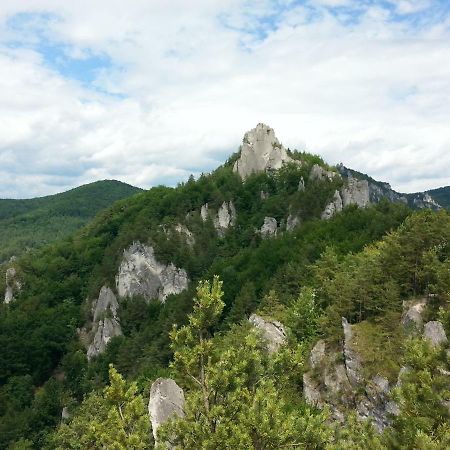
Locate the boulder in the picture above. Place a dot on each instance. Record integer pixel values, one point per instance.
(434, 333)
(166, 402)
(269, 227)
(140, 273)
(273, 332)
(261, 151)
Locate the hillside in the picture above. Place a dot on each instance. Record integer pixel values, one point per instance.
(442, 196)
(29, 224)
(320, 322)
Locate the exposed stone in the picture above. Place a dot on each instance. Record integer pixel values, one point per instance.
(424, 200)
(204, 212)
(321, 174)
(13, 285)
(166, 402)
(311, 391)
(412, 320)
(352, 359)
(269, 227)
(355, 193)
(434, 333)
(260, 151)
(317, 354)
(273, 332)
(65, 414)
(333, 207)
(226, 217)
(301, 184)
(106, 324)
(184, 230)
(291, 222)
(336, 381)
(141, 274)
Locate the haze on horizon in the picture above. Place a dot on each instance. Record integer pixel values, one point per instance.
(148, 92)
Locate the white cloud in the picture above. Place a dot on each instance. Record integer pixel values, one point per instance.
(194, 76)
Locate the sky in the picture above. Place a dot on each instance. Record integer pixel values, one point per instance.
(149, 92)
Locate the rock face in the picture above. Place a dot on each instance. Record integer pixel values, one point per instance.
(412, 320)
(225, 218)
(106, 323)
(269, 227)
(355, 193)
(341, 385)
(434, 333)
(273, 332)
(141, 274)
(425, 201)
(204, 212)
(260, 151)
(321, 174)
(291, 222)
(166, 402)
(333, 207)
(13, 285)
(184, 231)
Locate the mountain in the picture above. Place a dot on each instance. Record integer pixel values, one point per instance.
(442, 196)
(277, 302)
(29, 224)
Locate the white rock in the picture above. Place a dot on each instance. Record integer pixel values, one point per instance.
(319, 173)
(184, 230)
(317, 354)
(311, 391)
(204, 212)
(273, 332)
(260, 151)
(166, 402)
(352, 358)
(226, 217)
(269, 227)
(105, 322)
(412, 320)
(141, 274)
(291, 222)
(434, 333)
(333, 207)
(301, 184)
(355, 193)
(13, 285)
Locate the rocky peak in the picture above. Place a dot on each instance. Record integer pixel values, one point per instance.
(260, 151)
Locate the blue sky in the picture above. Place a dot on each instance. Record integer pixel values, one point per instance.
(149, 92)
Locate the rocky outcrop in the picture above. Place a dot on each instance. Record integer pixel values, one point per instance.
(412, 320)
(184, 231)
(341, 386)
(423, 200)
(291, 222)
(261, 151)
(434, 333)
(13, 285)
(321, 174)
(269, 227)
(166, 402)
(225, 218)
(352, 358)
(356, 192)
(105, 322)
(333, 207)
(140, 273)
(204, 212)
(301, 185)
(273, 332)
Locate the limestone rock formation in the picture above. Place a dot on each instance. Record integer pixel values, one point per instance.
(13, 285)
(269, 227)
(317, 355)
(321, 174)
(105, 320)
(425, 201)
(184, 231)
(355, 193)
(204, 212)
(166, 402)
(260, 151)
(291, 222)
(352, 359)
(434, 333)
(141, 274)
(273, 332)
(412, 320)
(301, 185)
(225, 218)
(333, 207)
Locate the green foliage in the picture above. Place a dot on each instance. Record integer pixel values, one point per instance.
(116, 420)
(29, 224)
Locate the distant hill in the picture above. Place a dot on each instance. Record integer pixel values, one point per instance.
(31, 223)
(442, 196)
